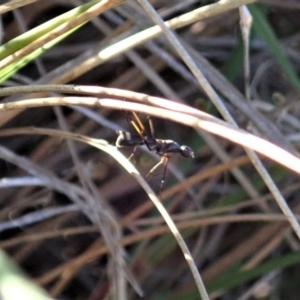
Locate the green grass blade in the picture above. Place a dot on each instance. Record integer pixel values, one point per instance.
(264, 30)
(15, 285)
(236, 279)
(31, 35)
(16, 66)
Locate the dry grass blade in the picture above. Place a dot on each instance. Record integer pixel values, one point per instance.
(81, 226)
(114, 152)
(216, 126)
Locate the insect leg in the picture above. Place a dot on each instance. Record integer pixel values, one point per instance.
(151, 126)
(141, 129)
(156, 166)
(164, 159)
(132, 155)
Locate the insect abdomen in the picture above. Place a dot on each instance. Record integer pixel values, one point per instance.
(126, 139)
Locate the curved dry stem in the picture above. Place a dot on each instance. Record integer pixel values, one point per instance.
(205, 122)
(202, 121)
(122, 160)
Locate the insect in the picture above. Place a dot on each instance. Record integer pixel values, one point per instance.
(163, 148)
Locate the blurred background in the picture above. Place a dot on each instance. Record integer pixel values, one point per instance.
(79, 225)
